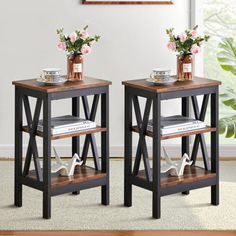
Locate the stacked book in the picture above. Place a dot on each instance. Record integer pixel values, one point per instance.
(177, 124)
(67, 124)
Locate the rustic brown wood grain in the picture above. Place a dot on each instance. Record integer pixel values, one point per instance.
(191, 174)
(82, 174)
(177, 86)
(87, 82)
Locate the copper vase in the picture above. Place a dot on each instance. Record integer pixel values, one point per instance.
(75, 67)
(184, 67)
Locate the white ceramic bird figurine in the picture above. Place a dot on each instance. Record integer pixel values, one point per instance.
(67, 168)
(176, 168)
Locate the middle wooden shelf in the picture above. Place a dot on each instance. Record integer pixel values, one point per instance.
(207, 129)
(69, 135)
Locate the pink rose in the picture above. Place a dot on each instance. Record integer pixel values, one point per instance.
(84, 34)
(171, 46)
(73, 37)
(86, 49)
(195, 49)
(194, 34)
(61, 46)
(182, 37)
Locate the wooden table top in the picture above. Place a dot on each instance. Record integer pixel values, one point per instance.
(87, 82)
(197, 82)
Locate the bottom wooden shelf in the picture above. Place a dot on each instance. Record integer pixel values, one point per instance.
(191, 174)
(82, 174)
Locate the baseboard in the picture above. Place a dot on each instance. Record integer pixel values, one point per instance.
(226, 151)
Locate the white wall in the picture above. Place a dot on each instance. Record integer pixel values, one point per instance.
(133, 42)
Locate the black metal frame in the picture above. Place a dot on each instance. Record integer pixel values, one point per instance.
(43, 181)
(153, 177)
(142, 146)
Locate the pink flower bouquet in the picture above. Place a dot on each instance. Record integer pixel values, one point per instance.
(187, 42)
(77, 42)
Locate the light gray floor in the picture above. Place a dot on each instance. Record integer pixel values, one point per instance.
(84, 212)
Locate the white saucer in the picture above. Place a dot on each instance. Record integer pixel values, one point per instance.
(62, 80)
(162, 82)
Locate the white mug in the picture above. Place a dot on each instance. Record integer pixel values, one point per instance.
(160, 74)
(51, 74)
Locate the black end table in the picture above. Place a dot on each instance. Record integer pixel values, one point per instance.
(41, 178)
(150, 178)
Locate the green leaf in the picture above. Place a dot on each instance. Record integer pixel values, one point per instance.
(227, 55)
(222, 128)
(227, 126)
(230, 131)
(234, 107)
(229, 68)
(230, 102)
(228, 98)
(188, 43)
(86, 27)
(227, 60)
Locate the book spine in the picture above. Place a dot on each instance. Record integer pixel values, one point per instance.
(72, 129)
(179, 129)
(182, 129)
(179, 125)
(68, 125)
(183, 124)
(55, 131)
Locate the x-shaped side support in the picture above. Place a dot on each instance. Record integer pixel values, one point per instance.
(90, 138)
(200, 115)
(142, 146)
(32, 146)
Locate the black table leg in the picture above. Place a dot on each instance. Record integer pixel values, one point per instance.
(47, 158)
(215, 147)
(18, 147)
(185, 140)
(128, 149)
(76, 140)
(156, 194)
(105, 146)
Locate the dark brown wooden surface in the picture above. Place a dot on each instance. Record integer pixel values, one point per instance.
(126, 2)
(191, 174)
(87, 82)
(179, 85)
(178, 135)
(68, 135)
(82, 174)
(124, 233)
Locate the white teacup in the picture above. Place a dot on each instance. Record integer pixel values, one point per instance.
(51, 74)
(160, 74)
